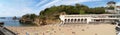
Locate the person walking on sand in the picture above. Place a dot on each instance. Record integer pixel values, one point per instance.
(27, 33)
(118, 33)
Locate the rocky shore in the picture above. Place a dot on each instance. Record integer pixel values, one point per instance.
(38, 21)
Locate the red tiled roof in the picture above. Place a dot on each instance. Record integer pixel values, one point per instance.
(118, 6)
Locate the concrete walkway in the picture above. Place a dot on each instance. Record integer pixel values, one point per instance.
(5, 31)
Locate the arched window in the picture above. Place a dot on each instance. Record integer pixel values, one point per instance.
(81, 19)
(85, 19)
(68, 20)
(75, 19)
(78, 19)
(65, 20)
(71, 20)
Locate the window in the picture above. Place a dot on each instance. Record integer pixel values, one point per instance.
(65, 20)
(85, 19)
(71, 20)
(78, 19)
(81, 19)
(68, 20)
(75, 19)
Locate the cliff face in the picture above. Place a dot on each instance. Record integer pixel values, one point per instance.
(25, 21)
(38, 21)
(49, 21)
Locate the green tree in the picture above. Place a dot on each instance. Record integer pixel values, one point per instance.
(82, 12)
(111, 7)
(29, 16)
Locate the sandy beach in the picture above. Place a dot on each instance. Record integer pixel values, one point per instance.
(81, 29)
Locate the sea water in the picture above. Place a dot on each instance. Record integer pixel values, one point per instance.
(8, 21)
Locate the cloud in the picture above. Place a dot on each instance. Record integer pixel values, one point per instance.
(49, 4)
(62, 2)
(21, 7)
(16, 8)
(69, 2)
(42, 2)
(17, 12)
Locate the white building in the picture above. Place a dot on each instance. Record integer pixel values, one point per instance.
(112, 8)
(118, 9)
(90, 18)
(95, 18)
(111, 4)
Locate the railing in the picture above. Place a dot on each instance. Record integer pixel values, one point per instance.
(4, 30)
(1, 33)
(10, 31)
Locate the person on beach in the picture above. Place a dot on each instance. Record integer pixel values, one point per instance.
(27, 33)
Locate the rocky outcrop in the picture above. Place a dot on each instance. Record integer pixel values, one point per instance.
(38, 21)
(25, 21)
(1, 23)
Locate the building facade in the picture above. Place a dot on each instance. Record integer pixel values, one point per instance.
(95, 18)
(112, 8)
(90, 18)
(118, 9)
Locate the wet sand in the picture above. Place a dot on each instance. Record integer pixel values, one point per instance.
(81, 29)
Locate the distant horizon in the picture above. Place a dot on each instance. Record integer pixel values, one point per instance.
(11, 8)
(11, 17)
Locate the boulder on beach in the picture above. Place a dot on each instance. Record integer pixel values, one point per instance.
(1, 23)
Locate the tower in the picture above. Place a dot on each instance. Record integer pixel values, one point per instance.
(111, 4)
(111, 7)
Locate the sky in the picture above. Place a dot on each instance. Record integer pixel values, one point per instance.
(10, 8)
